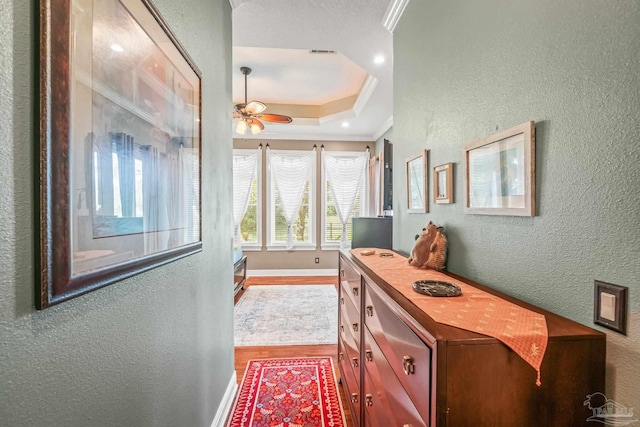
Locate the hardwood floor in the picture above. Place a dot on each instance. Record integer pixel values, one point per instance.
(244, 354)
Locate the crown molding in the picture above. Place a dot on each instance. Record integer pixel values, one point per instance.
(385, 126)
(394, 13)
(235, 3)
(365, 93)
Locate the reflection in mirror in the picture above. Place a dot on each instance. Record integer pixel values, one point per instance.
(417, 200)
(135, 151)
(443, 183)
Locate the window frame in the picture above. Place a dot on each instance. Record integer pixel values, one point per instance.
(254, 246)
(272, 245)
(364, 199)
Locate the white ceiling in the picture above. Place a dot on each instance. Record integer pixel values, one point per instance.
(320, 91)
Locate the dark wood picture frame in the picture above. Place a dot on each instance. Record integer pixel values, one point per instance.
(613, 318)
(500, 173)
(115, 132)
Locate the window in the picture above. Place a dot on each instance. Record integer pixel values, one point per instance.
(331, 224)
(250, 225)
(293, 176)
(251, 222)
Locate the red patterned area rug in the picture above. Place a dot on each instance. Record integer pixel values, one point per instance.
(297, 392)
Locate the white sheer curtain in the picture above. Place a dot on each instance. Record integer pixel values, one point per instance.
(346, 176)
(291, 174)
(190, 212)
(245, 168)
(152, 203)
(375, 188)
(173, 180)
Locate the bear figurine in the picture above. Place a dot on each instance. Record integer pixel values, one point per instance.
(430, 249)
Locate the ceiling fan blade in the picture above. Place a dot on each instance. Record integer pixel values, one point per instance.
(255, 107)
(275, 118)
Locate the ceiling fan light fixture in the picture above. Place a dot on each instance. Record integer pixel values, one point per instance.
(255, 128)
(251, 113)
(242, 127)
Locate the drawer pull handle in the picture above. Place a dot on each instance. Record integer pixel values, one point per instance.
(370, 311)
(341, 328)
(340, 357)
(407, 365)
(354, 397)
(354, 362)
(369, 355)
(341, 273)
(342, 301)
(369, 399)
(355, 292)
(355, 327)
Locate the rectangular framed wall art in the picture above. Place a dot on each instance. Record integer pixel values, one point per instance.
(500, 173)
(120, 141)
(417, 183)
(443, 184)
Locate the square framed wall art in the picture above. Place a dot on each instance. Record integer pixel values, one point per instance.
(500, 173)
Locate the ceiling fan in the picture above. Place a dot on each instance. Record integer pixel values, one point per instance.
(250, 113)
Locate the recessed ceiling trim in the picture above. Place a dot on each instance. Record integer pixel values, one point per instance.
(394, 13)
(385, 126)
(306, 121)
(302, 136)
(342, 115)
(365, 93)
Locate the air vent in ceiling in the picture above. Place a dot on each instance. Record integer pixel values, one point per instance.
(320, 51)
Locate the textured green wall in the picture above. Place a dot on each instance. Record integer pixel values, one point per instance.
(464, 69)
(153, 350)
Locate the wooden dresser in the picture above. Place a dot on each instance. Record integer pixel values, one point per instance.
(400, 368)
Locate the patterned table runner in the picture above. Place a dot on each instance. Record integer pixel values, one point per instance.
(522, 330)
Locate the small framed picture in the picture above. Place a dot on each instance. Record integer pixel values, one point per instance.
(443, 184)
(610, 306)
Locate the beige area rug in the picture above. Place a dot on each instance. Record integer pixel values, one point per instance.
(270, 315)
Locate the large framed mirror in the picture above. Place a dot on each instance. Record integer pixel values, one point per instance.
(417, 183)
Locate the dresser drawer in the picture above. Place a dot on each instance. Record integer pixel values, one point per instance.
(351, 280)
(352, 353)
(350, 322)
(349, 383)
(408, 356)
(386, 401)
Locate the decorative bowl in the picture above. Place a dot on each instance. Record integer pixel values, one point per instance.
(436, 288)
